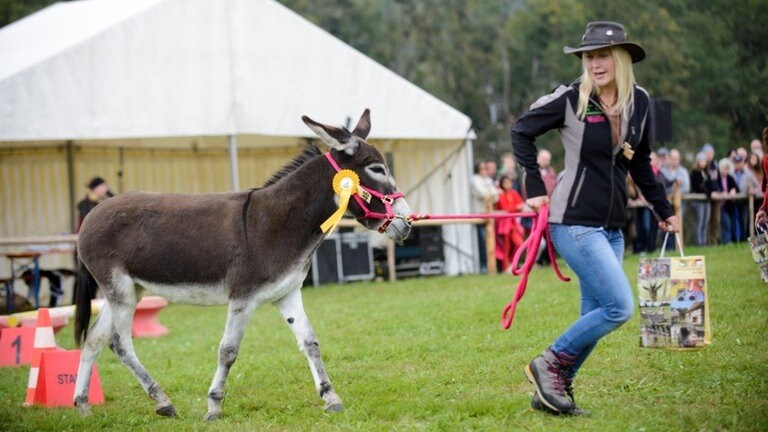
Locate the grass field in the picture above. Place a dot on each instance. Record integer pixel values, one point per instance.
(430, 355)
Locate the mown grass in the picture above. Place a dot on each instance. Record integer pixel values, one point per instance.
(429, 354)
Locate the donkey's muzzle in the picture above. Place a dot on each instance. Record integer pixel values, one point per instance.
(399, 229)
(400, 226)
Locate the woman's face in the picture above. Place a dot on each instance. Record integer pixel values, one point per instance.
(506, 183)
(601, 67)
(754, 160)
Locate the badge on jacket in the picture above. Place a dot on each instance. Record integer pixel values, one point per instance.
(628, 152)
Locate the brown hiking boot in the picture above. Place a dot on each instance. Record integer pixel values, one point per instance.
(576, 411)
(550, 374)
(537, 405)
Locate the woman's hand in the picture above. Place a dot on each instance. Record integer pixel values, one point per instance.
(670, 224)
(761, 218)
(537, 202)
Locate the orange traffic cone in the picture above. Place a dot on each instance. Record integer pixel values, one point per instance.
(57, 378)
(44, 341)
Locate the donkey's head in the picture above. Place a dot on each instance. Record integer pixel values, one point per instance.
(380, 206)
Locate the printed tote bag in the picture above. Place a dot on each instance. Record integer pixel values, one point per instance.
(673, 299)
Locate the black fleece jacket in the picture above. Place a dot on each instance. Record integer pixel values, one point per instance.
(591, 190)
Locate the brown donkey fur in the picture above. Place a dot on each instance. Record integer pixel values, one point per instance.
(243, 248)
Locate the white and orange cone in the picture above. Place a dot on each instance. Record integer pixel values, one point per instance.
(44, 341)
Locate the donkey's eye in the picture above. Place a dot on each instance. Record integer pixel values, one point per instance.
(378, 170)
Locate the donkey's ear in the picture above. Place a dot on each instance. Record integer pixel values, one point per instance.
(338, 138)
(363, 125)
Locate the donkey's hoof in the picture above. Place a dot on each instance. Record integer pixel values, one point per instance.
(212, 416)
(167, 411)
(333, 407)
(84, 409)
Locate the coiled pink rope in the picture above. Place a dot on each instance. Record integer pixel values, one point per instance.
(530, 247)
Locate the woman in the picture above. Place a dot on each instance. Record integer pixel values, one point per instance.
(701, 184)
(762, 215)
(755, 166)
(646, 229)
(602, 118)
(509, 233)
(730, 228)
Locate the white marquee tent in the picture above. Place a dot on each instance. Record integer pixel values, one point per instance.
(199, 96)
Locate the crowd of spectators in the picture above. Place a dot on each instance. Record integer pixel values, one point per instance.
(498, 188)
(712, 190)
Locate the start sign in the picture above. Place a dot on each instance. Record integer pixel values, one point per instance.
(57, 377)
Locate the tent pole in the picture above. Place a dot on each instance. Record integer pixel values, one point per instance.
(120, 163)
(233, 163)
(471, 170)
(71, 185)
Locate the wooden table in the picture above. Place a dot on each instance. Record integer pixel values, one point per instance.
(20, 262)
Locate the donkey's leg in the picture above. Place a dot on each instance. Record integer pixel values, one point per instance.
(123, 300)
(292, 311)
(97, 337)
(240, 312)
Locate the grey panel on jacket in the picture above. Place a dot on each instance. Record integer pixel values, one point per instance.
(571, 136)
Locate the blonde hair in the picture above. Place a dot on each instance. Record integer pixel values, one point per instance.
(625, 79)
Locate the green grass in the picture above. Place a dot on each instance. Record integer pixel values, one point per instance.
(428, 355)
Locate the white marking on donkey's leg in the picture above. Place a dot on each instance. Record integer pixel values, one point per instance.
(121, 343)
(240, 312)
(97, 337)
(292, 310)
(114, 324)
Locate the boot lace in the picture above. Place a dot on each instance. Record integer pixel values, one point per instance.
(569, 386)
(562, 381)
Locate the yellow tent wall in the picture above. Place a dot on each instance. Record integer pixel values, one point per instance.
(34, 185)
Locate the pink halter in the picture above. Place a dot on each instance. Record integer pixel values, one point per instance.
(388, 200)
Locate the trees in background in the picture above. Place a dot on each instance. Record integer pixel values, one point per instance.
(492, 59)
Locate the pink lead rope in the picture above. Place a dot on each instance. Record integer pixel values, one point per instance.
(531, 247)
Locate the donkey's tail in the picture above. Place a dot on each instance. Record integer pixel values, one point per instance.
(85, 290)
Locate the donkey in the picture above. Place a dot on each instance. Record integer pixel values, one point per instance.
(244, 248)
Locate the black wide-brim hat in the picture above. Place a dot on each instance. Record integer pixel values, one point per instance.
(606, 34)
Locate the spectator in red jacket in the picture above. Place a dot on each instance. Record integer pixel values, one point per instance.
(761, 218)
(509, 233)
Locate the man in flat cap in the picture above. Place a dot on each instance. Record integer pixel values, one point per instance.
(98, 191)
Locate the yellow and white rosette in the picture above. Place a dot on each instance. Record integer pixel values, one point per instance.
(345, 183)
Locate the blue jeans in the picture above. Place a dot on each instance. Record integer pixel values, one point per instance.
(595, 254)
(482, 249)
(729, 225)
(701, 215)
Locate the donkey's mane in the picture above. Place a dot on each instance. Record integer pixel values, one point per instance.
(310, 151)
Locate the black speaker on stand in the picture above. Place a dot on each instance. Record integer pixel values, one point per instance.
(326, 261)
(661, 121)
